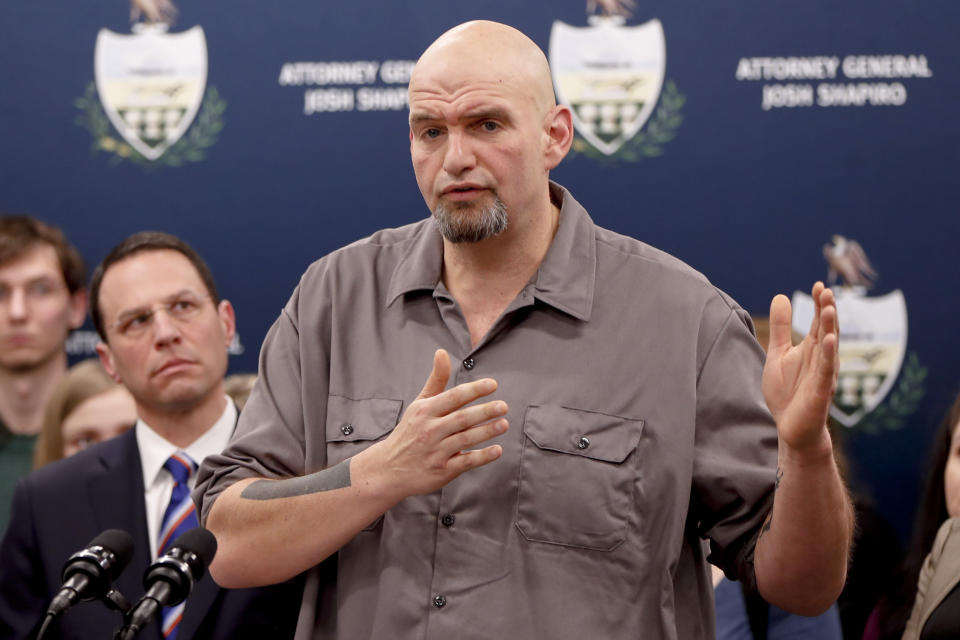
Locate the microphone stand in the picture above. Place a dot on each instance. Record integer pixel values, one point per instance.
(112, 598)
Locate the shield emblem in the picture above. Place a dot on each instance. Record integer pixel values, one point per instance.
(151, 83)
(610, 76)
(873, 341)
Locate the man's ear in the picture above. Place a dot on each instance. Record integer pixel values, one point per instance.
(106, 359)
(228, 320)
(78, 308)
(558, 129)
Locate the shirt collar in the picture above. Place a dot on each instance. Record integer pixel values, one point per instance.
(566, 277)
(155, 449)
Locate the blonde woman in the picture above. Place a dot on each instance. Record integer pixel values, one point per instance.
(87, 406)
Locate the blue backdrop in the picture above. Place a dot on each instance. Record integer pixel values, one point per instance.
(778, 125)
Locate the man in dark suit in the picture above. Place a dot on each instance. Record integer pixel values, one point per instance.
(165, 334)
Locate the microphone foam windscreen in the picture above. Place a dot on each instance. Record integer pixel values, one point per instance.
(199, 541)
(119, 542)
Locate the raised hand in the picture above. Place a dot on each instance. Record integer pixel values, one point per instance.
(799, 381)
(432, 443)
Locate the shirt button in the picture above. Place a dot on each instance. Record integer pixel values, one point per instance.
(583, 442)
(346, 428)
(469, 363)
(448, 519)
(439, 602)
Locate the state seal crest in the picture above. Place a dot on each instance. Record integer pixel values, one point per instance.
(873, 343)
(612, 76)
(151, 84)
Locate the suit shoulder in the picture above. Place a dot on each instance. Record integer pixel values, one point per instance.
(66, 472)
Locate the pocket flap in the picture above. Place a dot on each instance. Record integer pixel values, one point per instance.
(590, 434)
(349, 420)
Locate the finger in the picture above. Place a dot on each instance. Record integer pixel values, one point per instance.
(830, 340)
(461, 395)
(815, 322)
(829, 316)
(466, 460)
(471, 416)
(468, 438)
(439, 375)
(780, 328)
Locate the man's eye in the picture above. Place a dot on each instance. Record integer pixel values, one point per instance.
(137, 321)
(490, 125)
(39, 289)
(184, 305)
(431, 133)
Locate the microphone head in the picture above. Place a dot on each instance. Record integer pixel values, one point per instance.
(182, 565)
(100, 562)
(199, 542)
(120, 543)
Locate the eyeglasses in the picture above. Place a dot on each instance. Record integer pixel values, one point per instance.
(36, 291)
(182, 310)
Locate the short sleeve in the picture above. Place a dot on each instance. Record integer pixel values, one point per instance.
(735, 453)
(271, 439)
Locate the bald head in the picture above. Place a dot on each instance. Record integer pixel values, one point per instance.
(485, 131)
(504, 53)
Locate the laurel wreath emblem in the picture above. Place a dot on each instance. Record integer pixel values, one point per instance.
(903, 402)
(649, 141)
(192, 147)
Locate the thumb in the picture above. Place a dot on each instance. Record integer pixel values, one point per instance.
(437, 380)
(780, 327)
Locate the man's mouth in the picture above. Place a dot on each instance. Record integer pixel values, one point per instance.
(172, 366)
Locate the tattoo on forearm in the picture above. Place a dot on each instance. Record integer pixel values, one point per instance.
(769, 520)
(335, 477)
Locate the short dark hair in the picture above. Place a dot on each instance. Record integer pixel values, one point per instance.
(19, 234)
(139, 243)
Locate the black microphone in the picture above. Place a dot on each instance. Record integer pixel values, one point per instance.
(171, 577)
(89, 573)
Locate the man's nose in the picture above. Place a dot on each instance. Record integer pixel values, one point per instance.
(459, 156)
(17, 304)
(165, 329)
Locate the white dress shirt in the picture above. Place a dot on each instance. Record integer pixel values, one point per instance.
(154, 451)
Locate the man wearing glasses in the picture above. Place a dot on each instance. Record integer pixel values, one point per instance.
(165, 332)
(42, 298)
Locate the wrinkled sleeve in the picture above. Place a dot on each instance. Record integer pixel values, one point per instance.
(275, 432)
(735, 456)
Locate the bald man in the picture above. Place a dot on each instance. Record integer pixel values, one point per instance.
(593, 410)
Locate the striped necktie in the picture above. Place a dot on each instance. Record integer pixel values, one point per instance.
(180, 516)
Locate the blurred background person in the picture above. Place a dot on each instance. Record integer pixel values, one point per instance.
(87, 407)
(164, 333)
(238, 386)
(940, 502)
(42, 298)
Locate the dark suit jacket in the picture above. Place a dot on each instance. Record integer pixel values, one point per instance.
(59, 509)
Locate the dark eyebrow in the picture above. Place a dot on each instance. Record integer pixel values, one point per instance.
(416, 118)
(488, 114)
(484, 113)
(132, 313)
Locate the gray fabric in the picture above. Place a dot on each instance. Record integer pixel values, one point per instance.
(613, 341)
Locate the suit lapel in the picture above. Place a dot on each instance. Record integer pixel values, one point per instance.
(199, 602)
(116, 493)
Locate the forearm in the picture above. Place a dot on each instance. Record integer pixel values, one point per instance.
(270, 530)
(803, 549)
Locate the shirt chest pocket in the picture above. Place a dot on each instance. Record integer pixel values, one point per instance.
(578, 473)
(353, 425)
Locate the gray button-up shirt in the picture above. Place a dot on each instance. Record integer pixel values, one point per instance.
(637, 428)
